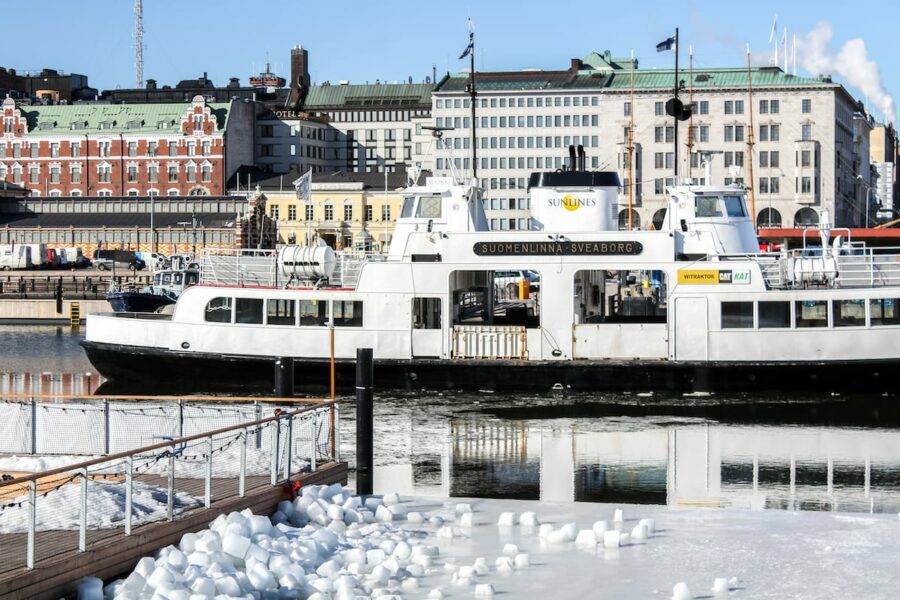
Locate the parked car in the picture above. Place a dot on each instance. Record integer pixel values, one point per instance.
(15, 256)
(106, 260)
(71, 256)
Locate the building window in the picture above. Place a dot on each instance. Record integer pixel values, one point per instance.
(191, 148)
(152, 173)
(627, 109)
(35, 149)
(703, 105)
(173, 173)
(806, 106)
(207, 146)
(76, 149)
(659, 109)
(773, 133)
(348, 212)
(763, 107)
(103, 148)
(385, 212)
(104, 174)
(729, 107)
(54, 174)
(806, 132)
(292, 212)
(132, 173)
(173, 148)
(329, 211)
(75, 174)
(274, 211)
(206, 173)
(132, 148)
(308, 212)
(54, 149)
(774, 106)
(151, 148)
(198, 122)
(191, 173)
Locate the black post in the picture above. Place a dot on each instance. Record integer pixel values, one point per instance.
(473, 98)
(364, 417)
(284, 377)
(59, 297)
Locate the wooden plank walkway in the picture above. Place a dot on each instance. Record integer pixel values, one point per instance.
(59, 566)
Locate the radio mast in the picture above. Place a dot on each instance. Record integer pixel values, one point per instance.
(138, 43)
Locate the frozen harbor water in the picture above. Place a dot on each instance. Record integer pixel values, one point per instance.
(412, 549)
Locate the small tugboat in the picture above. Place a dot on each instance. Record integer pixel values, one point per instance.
(166, 288)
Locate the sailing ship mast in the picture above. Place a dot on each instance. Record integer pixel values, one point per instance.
(750, 144)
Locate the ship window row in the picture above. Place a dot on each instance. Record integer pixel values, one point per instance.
(284, 312)
(803, 314)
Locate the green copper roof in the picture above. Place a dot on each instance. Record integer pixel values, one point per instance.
(113, 118)
(377, 95)
(711, 78)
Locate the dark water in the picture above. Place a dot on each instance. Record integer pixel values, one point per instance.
(801, 453)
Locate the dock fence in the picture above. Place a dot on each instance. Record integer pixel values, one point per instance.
(174, 475)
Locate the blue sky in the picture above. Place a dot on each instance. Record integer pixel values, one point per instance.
(391, 40)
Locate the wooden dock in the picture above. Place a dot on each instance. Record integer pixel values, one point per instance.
(59, 567)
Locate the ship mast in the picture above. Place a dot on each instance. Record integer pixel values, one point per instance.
(750, 141)
(675, 113)
(690, 140)
(472, 97)
(630, 149)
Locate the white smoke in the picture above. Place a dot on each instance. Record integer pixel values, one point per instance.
(815, 55)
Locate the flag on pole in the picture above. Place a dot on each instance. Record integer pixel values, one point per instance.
(666, 44)
(774, 33)
(470, 48)
(303, 186)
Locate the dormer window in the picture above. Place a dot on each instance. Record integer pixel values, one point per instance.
(162, 125)
(134, 124)
(79, 124)
(106, 124)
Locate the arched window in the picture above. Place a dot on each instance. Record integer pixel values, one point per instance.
(329, 210)
(769, 217)
(806, 217)
(198, 191)
(623, 220)
(658, 218)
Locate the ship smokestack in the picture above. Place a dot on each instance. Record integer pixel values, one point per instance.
(582, 159)
(572, 164)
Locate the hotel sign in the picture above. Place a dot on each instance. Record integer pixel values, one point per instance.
(714, 277)
(551, 248)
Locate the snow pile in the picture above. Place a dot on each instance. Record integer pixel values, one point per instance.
(61, 508)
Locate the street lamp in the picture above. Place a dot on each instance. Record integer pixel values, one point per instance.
(868, 197)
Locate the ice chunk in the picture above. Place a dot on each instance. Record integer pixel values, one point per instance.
(484, 590)
(600, 527)
(612, 539)
(380, 575)
(720, 586)
(529, 519)
(373, 503)
(236, 545)
(187, 543)
(681, 591)
(640, 532)
(402, 551)
(435, 521)
(261, 578)
(160, 576)
(545, 530)
(145, 566)
(177, 560)
(510, 549)
(286, 507)
(228, 586)
(204, 586)
(329, 569)
(436, 594)
(330, 491)
(375, 556)
(326, 538)
(466, 572)
(383, 515)
(586, 538)
(570, 530)
(463, 507)
(352, 516)
(415, 518)
(522, 561)
(651, 525)
(90, 588)
(390, 499)
(507, 519)
(557, 536)
(335, 512)
(446, 532)
(481, 566)
(352, 502)
(618, 517)
(466, 520)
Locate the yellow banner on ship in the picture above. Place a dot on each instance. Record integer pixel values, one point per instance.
(713, 276)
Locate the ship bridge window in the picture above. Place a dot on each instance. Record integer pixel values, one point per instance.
(426, 313)
(347, 313)
(409, 203)
(313, 313)
(734, 206)
(248, 310)
(429, 207)
(774, 315)
(628, 296)
(737, 315)
(811, 313)
(707, 206)
(218, 310)
(884, 311)
(502, 297)
(281, 312)
(849, 313)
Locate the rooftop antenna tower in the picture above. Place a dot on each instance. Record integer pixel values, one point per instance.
(139, 43)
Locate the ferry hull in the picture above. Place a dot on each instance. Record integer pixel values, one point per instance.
(132, 369)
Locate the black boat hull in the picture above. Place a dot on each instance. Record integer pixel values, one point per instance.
(137, 301)
(132, 369)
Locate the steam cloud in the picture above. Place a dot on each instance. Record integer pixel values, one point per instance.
(814, 54)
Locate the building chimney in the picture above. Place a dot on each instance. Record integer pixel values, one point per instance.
(234, 82)
(576, 65)
(299, 74)
(151, 84)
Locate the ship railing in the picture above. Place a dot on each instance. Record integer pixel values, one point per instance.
(771, 266)
(349, 265)
(476, 342)
(869, 267)
(238, 266)
(182, 467)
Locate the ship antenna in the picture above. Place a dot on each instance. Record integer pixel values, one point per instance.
(750, 141)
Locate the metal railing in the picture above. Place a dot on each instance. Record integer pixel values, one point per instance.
(110, 494)
(91, 287)
(489, 342)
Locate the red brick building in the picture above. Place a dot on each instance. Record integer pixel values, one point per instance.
(173, 149)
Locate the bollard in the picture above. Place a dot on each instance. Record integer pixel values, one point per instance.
(364, 429)
(284, 377)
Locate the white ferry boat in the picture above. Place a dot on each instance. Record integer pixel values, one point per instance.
(574, 303)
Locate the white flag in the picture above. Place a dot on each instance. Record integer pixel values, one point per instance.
(774, 31)
(304, 186)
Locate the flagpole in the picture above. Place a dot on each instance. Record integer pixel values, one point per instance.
(631, 151)
(675, 116)
(472, 96)
(690, 142)
(750, 143)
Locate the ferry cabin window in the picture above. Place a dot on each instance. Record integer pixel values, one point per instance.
(628, 296)
(313, 313)
(849, 313)
(408, 204)
(737, 315)
(426, 313)
(734, 206)
(281, 312)
(248, 310)
(884, 311)
(218, 310)
(191, 278)
(707, 206)
(347, 313)
(774, 315)
(429, 207)
(811, 313)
